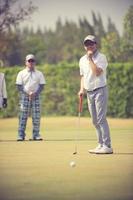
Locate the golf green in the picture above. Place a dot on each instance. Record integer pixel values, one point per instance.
(40, 170)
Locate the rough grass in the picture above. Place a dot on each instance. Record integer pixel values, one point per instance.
(41, 170)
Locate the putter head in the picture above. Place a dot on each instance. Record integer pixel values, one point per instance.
(74, 152)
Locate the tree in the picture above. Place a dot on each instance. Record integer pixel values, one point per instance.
(110, 45)
(128, 24)
(119, 49)
(127, 39)
(11, 13)
(98, 27)
(85, 27)
(111, 27)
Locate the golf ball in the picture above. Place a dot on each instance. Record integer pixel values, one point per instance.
(72, 164)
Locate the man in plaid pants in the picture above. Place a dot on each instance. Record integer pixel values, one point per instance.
(30, 82)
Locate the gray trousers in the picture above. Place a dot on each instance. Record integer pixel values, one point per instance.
(97, 104)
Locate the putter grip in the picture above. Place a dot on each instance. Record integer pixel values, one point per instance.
(80, 103)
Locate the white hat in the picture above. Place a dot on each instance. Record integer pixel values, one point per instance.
(30, 56)
(90, 37)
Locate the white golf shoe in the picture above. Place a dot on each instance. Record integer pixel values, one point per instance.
(96, 149)
(37, 138)
(104, 150)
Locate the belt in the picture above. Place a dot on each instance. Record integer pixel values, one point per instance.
(96, 89)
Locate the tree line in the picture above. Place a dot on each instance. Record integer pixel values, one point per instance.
(65, 42)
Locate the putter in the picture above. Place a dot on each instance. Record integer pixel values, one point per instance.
(79, 114)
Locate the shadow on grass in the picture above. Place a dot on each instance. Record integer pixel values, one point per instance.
(125, 153)
(47, 140)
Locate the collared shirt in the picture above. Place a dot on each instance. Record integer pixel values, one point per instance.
(91, 81)
(3, 92)
(30, 80)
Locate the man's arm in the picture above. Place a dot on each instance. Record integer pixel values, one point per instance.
(96, 70)
(39, 90)
(4, 93)
(81, 91)
(20, 88)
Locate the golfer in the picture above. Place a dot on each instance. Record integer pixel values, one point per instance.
(3, 92)
(30, 82)
(93, 80)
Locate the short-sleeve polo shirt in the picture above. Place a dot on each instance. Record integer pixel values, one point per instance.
(91, 81)
(30, 79)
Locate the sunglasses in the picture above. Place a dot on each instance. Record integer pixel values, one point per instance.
(89, 43)
(31, 61)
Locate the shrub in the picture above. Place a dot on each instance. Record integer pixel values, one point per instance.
(63, 82)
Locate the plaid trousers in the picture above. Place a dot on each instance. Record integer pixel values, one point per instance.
(28, 107)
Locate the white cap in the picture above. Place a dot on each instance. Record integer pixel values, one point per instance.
(30, 56)
(90, 37)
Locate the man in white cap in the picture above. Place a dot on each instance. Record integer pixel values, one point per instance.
(30, 82)
(93, 80)
(3, 92)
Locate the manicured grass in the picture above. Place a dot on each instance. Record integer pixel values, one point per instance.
(41, 170)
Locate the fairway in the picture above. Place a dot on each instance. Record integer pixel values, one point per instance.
(40, 170)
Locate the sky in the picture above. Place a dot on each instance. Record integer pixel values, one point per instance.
(50, 10)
